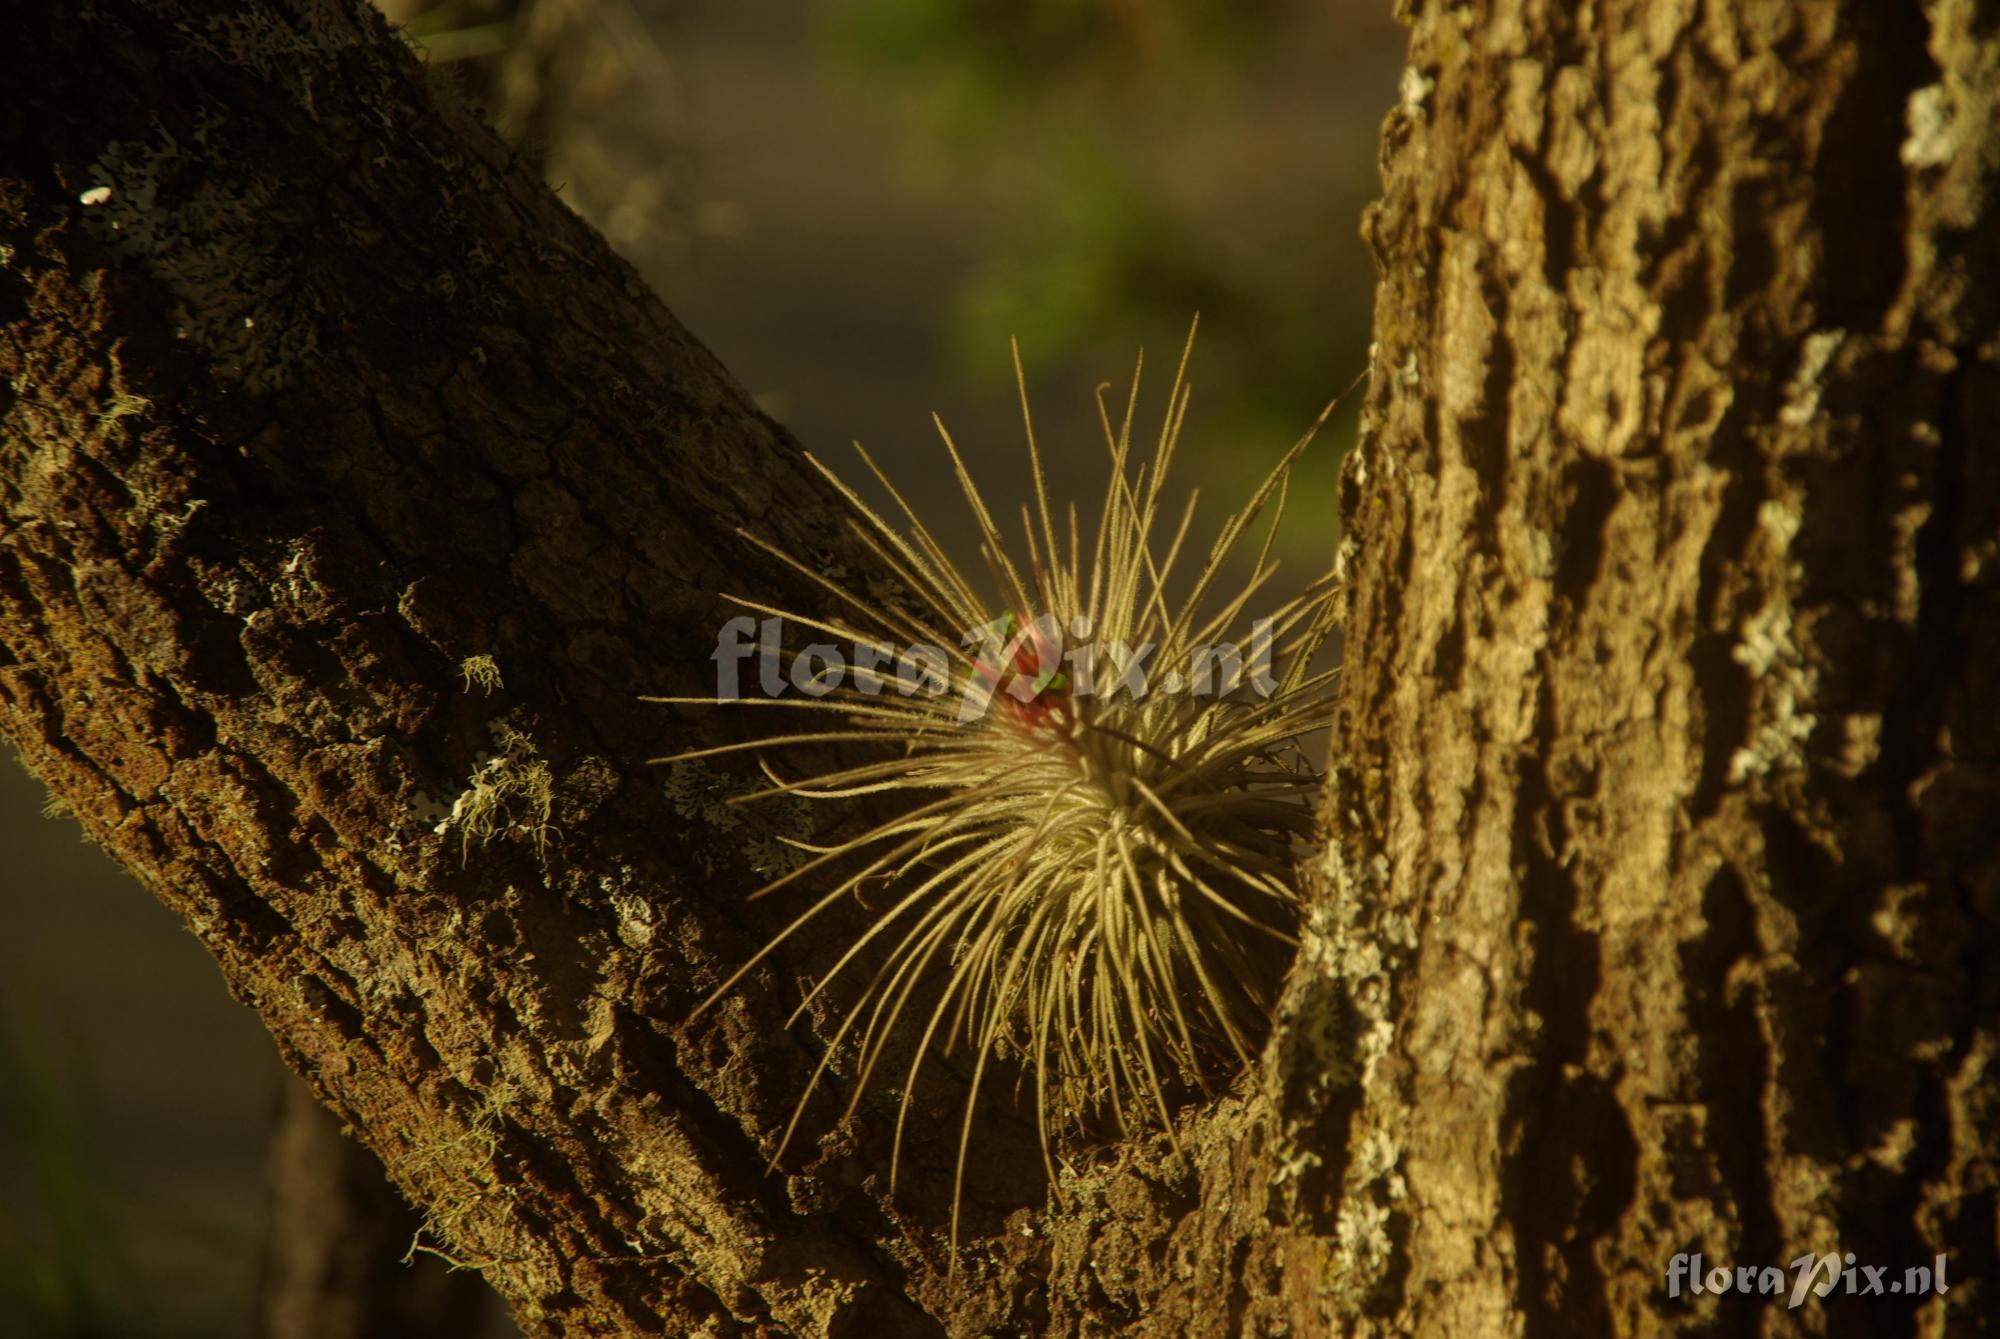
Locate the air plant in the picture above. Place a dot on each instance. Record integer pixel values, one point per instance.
(1099, 884)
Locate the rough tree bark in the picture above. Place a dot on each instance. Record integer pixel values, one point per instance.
(336, 1234)
(1658, 910)
(1669, 766)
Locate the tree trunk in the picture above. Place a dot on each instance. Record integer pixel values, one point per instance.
(1659, 910)
(1667, 854)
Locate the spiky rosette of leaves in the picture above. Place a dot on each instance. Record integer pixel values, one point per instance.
(1093, 871)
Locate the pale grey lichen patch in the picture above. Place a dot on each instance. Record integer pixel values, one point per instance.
(173, 522)
(1362, 1244)
(201, 213)
(1786, 684)
(1860, 743)
(1375, 1192)
(1294, 1166)
(1803, 390)
(1358, 945)
(208, 238)
(778, 851)
(638, 917)
(431, 811)
(1778, 744)
(1784, 681)
(700, 792)
(1364, 956)
(1929, 118)
(1543, 559)
(1414, 90)
(1780, 521)
(481, 672)
(510, 792)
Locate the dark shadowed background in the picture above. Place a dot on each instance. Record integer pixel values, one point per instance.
(855, 205)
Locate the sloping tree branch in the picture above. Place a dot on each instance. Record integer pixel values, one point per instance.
(311, 397)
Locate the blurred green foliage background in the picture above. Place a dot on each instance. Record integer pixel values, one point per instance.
(1146, 162)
